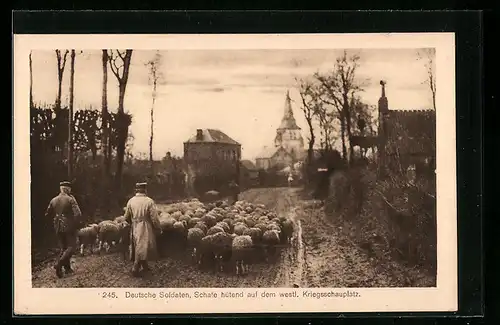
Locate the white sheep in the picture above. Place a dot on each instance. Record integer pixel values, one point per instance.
(111, 233)
(87, 236)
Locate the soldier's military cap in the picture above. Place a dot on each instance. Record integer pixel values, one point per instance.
(141, 185)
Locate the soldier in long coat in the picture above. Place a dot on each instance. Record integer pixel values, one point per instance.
(66, 216)
(142, 215)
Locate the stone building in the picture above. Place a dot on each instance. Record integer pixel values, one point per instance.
(212, 159)
(406, 138)
(288, 147)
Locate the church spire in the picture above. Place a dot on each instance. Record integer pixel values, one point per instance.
(288, 120)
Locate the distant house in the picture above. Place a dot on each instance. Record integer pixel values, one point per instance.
(279, 158)
(249, 174)
(263, 159)
(212, 159)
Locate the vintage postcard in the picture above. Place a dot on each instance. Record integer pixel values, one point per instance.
(234, 173)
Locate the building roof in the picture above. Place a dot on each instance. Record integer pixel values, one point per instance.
(411, 131)
(247, 164)
(267, 152)
(288, 120)
(213, 136)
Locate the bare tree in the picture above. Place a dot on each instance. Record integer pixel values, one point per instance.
(31, 81)
(70, 114)
(340, 87)
(105, 117)
(61, 64)
(308, 107)
(327, 95)
(428, 55)
(155, 76)
(120, 65)
(326, 117)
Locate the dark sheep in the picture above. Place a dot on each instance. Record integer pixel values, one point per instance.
(270, 241)
(193, 221)
(239, 228)
(287, 228)
(214, 230)
(217, 248)
(224, 226)
(201, 225)
(242, 248)
(194, 239)
(209, 220)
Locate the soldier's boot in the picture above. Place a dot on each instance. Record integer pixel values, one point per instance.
(58, 269)
(145, 266)
(65, 260)
(68, 269)
(135, 269)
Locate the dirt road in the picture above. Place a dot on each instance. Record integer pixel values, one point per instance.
(318, 257)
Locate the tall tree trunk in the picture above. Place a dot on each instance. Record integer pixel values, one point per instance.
(312, 140)
(59, 90)
(121, 125)
(70, 115)
(152, 126)
(122, 131)
(105, 118)
(31, 81)
(349, 133)
(342, 136)
(433, 90)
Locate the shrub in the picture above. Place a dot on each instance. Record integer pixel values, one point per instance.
(386, 216)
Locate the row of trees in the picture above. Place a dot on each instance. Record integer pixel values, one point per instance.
(333, 108)
(118, 62)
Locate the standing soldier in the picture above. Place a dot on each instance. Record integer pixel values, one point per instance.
(66, 215)
(235, 190)
(141, 213)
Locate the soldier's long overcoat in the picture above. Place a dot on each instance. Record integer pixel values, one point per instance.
(142, 214)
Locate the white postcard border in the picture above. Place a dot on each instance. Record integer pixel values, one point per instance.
(444, 297)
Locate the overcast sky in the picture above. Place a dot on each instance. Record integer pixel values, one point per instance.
(240, 92)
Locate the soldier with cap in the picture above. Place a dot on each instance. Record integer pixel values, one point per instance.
(141, 213)
(66, 216)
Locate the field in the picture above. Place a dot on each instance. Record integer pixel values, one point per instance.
(320, 255)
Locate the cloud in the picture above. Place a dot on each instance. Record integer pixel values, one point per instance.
(214, 89)
(276, 79)
(181, 80)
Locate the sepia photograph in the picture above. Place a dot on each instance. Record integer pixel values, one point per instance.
(232, 168)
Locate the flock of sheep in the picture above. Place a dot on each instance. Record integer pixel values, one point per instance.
(215, 234)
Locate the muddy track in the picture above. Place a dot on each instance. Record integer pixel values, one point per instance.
(332, 259)
(291, 261)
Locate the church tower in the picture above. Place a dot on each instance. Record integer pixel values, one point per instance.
(288, 134)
